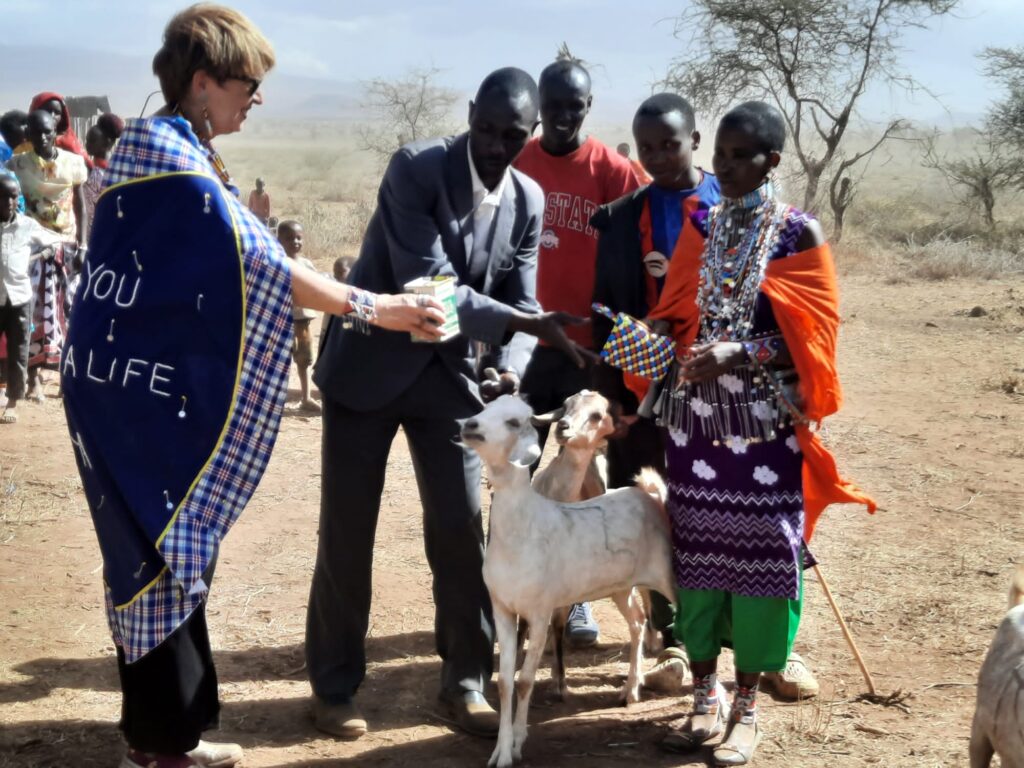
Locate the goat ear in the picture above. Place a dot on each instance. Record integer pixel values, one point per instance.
(526, 450)
(547, 419)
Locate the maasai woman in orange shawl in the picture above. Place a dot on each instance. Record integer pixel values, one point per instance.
(753, 306)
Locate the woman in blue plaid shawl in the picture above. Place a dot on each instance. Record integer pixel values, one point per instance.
(175, 373)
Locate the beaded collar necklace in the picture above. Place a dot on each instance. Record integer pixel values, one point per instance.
(211, 154)
(742, 232)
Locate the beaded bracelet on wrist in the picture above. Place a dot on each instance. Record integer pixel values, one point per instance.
(763, 350)
(363, 312)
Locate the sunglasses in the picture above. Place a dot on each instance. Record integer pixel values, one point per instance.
(252, 82)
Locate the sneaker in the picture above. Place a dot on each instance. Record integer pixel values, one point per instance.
(137, 759)
(793, 683)
(669, 671)
(210, 754)
(581, 628)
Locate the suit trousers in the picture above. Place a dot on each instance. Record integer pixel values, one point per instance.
(14, 324)
(356, 446)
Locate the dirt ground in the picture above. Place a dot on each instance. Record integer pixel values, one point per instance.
(932, 426)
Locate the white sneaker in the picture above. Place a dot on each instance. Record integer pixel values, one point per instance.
(212, 755)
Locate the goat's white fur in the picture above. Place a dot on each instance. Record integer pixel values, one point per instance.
(577, 473)
(616, 541)
(997, 727)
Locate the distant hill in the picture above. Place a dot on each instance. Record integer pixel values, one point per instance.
(127, 80)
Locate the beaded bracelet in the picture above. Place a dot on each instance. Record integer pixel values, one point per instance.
(363, 303)
(363, 312)
(763, 350)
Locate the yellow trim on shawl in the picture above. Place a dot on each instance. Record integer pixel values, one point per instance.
(238, 367)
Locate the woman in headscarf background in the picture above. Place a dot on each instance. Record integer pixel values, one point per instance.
(67, 139)
(176, 371)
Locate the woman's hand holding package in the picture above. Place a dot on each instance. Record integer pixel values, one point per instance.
(418, 314)
(709, 361)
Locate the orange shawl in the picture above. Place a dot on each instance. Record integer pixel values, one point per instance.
(805, 299)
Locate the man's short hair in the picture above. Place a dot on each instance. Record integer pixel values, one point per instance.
(511, 82)
(666, 103)
(9, 123)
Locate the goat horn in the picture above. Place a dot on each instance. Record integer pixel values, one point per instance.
(547, 419)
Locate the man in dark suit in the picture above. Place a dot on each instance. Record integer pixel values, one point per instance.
(454, 207)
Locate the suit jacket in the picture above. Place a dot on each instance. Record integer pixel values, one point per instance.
(620, 283)
(423, 226)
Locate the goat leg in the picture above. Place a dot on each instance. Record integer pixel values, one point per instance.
(559, 618)
(527, 676)
(505, 626)
(653, 644)
(631, 612)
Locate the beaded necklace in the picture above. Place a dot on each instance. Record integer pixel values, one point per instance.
(744, 405)
(742, 233)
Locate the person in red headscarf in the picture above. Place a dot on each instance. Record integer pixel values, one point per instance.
(67, 139)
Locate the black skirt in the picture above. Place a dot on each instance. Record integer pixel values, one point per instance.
(170, 694)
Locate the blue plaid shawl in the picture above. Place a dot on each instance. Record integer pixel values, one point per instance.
(174, 373)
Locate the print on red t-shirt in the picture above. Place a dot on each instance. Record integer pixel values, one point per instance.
(574, 186)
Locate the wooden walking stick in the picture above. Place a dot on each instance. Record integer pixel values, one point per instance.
(846, 630)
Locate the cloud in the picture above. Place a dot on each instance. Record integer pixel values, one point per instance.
(765, 476)
(793, 444)
(701, 408)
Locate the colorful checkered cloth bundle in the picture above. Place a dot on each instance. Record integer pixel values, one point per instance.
(635, 348)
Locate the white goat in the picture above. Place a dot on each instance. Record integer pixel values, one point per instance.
(577, 473)
(616, 541)
(998, 726)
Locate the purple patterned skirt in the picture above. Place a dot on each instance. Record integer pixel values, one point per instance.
(737, 513)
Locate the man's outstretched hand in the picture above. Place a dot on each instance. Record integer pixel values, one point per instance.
(549, 327)
(493, 384)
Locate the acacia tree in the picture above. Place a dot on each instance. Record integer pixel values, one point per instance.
(993, 161)
(813, 59)
(978, 175)
(407, 108)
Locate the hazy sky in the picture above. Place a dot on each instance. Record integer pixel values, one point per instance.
(352, 41)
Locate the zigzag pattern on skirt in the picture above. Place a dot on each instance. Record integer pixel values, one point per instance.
(753, 578)
(770, 498)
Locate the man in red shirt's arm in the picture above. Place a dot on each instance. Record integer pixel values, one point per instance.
(577, 174)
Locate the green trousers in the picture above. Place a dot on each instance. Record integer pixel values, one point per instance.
(760, 630)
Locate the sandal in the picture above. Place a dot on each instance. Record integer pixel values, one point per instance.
(739, 744)
(669, 672)
(689, 740)
(9, 418)
(793, 683)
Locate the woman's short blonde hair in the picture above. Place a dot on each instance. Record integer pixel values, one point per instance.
(213, 38)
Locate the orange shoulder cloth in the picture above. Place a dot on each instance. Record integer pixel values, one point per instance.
(805, 300)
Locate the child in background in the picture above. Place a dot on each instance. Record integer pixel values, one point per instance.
(22, 240)
(638, 168)
(289, 234)
(99, 143)
(259, 202)
(577, 173)
(342, 266)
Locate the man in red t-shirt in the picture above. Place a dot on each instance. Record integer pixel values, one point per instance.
(577, 175)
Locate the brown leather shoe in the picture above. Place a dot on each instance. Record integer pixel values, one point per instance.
(341, 720)
(471, 712)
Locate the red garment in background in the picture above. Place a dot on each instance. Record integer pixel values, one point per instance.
(574, 186)
(68, 140)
